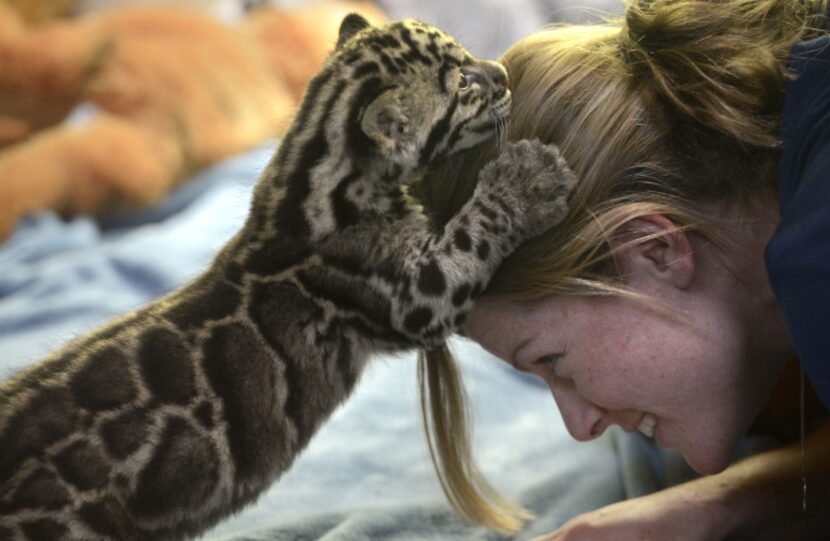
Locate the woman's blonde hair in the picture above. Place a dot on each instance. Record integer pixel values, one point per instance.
(668, 110)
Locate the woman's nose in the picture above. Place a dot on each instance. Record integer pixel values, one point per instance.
(583, 419)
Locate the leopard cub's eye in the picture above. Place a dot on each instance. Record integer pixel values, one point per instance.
(463, 81)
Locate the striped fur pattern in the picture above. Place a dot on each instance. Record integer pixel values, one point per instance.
(161, 423)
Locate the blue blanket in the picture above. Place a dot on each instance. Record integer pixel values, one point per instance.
(367, 474)
(58, 279)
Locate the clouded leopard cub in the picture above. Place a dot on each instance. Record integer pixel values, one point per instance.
(159, 424)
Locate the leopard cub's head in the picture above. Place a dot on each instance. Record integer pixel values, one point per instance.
(418, 95)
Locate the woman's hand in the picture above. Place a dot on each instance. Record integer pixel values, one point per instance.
(687, 512)
(758, 498)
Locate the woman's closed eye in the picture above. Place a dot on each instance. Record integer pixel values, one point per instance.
(548, 362)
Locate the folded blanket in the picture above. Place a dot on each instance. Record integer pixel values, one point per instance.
(61, 278)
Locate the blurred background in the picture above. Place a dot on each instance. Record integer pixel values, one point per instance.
(170, 87)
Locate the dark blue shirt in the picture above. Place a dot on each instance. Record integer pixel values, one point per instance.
(798, 255)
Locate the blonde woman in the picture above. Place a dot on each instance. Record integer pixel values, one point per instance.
(693, 268)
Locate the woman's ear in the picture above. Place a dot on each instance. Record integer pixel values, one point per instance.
(653, 247)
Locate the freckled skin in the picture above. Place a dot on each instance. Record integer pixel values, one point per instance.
(702, 365)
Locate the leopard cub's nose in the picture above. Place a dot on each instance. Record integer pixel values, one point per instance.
(496, 73)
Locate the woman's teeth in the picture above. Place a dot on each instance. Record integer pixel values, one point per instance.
(647, 425)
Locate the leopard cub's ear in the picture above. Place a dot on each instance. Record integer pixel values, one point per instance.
(385, 123)
(351, 25)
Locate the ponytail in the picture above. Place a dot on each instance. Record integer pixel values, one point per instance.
(720, 64)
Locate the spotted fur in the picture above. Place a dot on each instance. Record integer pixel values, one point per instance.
(161, 423)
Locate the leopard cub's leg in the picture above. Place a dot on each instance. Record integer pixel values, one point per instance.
(519, 195)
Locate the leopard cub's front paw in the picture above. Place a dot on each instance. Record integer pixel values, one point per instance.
(533, 181)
